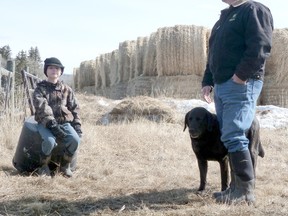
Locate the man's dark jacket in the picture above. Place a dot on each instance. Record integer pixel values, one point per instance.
(240, 43)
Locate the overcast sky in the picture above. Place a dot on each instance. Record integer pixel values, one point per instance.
(76, 31)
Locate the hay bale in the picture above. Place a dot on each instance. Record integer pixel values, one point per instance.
(150, 65)
(188, 86)
(141, 47)
(131, 109)
(132, 64)
(126, 50)
(87, 73)
(277, 64)
(274, 93)
(76, 77)
(181, 50)
(98, 78)
(104, 65)
(114, 73)
(275, 85)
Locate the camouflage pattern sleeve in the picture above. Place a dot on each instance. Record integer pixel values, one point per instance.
(73, 107)
(43, 112)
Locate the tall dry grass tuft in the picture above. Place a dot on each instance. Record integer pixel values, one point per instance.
(136, 168)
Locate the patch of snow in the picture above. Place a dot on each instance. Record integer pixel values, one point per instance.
(269, 116)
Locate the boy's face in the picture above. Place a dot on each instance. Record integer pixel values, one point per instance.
(53, 72)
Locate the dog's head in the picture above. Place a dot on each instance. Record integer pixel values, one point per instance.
(199, 120)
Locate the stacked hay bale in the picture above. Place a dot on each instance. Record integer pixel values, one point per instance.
(104, 68)
(76, 78)
(275, 91)
(98, 78)
(114, 72)
(126, 50)
(132, 64)
(181, 50)
(181, 55)
(87, 74)
(140, 51)
(150, 65)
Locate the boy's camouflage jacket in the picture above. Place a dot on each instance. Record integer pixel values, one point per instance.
(55, 101)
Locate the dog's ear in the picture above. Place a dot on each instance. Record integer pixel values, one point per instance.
(186, 121)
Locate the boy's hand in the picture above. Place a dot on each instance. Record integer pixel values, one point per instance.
(78, 130)
(56, 129)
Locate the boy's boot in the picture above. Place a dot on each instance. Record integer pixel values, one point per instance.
(44, 170)
(65, 165)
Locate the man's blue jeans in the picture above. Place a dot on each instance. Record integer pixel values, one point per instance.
(235, 106)
(71, 141)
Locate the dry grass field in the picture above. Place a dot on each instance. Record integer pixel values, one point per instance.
(136, 168)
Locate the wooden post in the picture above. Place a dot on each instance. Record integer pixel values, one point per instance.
(11, 67)
(0, 72)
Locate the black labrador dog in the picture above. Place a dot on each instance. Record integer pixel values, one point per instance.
(205, 135)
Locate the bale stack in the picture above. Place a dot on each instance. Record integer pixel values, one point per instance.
(275, 89)
(171, 62)
(126, 50)
(181, 50)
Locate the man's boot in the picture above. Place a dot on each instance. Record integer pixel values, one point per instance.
(231, 186)
(244, 179)
(65, 165)
(44, 170)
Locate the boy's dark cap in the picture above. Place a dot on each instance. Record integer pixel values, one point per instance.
(52, 62)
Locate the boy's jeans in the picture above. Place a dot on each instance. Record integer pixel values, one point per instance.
(71, 141)
(235, 106)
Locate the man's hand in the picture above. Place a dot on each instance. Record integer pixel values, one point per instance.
(236, 79)
(206, 93)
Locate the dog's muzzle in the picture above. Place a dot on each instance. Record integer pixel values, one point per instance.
(194, 134)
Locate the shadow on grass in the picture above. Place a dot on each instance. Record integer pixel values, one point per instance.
(153, 200)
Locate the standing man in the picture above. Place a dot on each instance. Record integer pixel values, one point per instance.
(239, 45)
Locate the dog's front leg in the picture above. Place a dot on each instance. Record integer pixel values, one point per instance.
(203, 167)
(224, 173)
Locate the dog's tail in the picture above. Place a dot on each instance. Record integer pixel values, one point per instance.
(261, 151)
